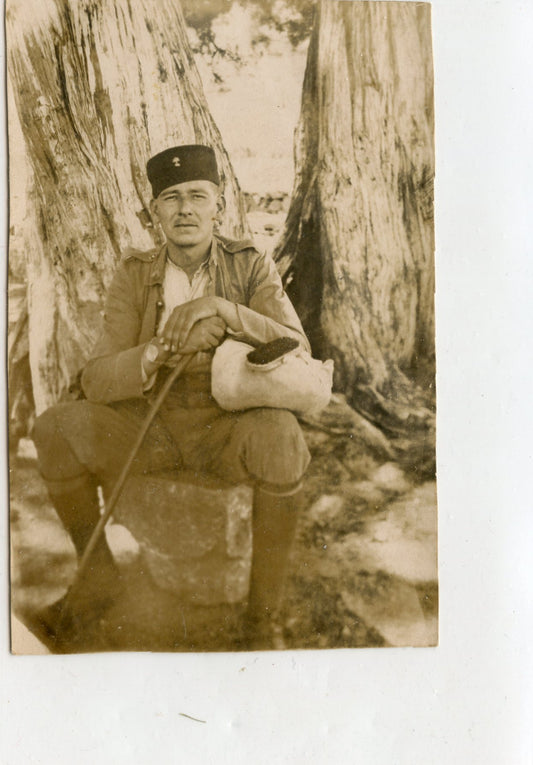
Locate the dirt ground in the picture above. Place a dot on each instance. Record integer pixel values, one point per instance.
(363, 573)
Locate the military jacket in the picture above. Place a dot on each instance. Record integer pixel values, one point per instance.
(237, 272)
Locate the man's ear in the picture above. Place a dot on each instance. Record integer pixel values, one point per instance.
(153, 211)
(221, 204)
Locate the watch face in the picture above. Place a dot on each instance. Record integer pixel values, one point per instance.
(152, 352)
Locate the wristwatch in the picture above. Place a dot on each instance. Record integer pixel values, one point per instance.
(151, 352)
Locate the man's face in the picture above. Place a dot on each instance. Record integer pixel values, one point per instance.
(187, 212)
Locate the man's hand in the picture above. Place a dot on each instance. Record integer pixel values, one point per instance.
(206, 334)
(175, 334)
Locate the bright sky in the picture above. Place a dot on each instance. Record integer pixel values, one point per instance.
(257, 108)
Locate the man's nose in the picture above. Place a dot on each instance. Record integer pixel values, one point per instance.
(184, 206)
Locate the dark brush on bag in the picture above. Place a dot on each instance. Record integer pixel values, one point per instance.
(266, 353)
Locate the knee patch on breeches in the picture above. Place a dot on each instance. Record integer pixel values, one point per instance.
(273, 449)
(57, 461)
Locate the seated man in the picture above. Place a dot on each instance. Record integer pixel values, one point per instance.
(162, 305)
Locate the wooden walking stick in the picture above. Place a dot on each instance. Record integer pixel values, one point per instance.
(119, 485)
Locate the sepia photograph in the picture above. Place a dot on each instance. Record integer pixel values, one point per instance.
(221, 325)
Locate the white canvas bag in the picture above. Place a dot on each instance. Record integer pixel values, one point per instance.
(294, 381)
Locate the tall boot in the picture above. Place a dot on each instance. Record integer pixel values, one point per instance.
(59, 625)
(274, 523)
(78, 508)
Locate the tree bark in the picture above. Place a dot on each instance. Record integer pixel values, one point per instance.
(99, 87)
(357, 252)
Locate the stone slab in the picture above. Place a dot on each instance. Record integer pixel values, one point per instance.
(194, 534)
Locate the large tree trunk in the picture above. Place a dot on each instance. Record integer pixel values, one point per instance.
(99, 87)
(357, 252)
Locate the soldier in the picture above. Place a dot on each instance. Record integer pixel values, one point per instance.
(181, 299)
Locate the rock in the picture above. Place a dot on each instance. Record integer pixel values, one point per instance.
(123, 544)
(24, 642)
(26, 449)
(393, 608)
(401, 541)
(364, 491)
(325, 509)
(390, 477)
(194, 534)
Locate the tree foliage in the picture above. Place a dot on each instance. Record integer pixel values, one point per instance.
(292, 18)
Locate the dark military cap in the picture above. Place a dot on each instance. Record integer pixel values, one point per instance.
(181, 164)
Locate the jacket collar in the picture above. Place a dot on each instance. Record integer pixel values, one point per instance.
(157, 269)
